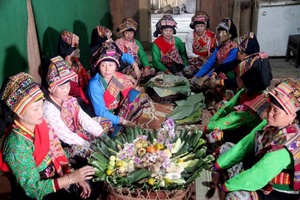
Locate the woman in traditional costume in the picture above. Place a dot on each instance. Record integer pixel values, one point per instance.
(247, 54)
(74, 127)
(101, 37)
(225, 52)
(248, 107)
(130, 45)
(68, 49)
(32, 152)
(168, 51)
(275, 172)
(199, 43)
(112, 93)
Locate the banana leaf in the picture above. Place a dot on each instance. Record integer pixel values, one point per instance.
(139, 175)
(99, 157)
(181, 112)
(193, 118)
(191, 100)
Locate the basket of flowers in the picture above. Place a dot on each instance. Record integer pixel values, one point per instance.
(150, 164)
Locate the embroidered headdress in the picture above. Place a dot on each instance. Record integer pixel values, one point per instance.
(59, 72)
(99, 35)
(198, 18)
(166, 21)
(20, 91)
(248, 43)
(67, 43)
(229, 26)
(127, 24)
(287, 93)
(109, 52)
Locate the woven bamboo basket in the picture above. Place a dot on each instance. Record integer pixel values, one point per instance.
(115, 193)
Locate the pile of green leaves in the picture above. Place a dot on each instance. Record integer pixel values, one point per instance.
(191, 149)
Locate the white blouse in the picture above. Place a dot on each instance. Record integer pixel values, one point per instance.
(52, 115)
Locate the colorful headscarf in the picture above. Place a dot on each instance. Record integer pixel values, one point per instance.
(199, 17)
(99, 35)
(248, 43)
(109, 52)
(255, 71)
(287, 93)
(166, 21)
(229, 26)
(247, 64)
(59, 72)
(20, 91)
(67, 43)
(127, 24)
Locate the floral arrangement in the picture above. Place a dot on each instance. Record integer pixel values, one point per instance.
(150, 159)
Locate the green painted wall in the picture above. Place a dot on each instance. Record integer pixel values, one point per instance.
(51, 17)
(13, 38)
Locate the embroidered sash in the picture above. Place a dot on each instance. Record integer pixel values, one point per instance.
(128, 47)
(168, 50)
(118, 84)
(274, 139)
(224, 51)
(69, 110)
(203, 45)
(247, 63)
(45, 143)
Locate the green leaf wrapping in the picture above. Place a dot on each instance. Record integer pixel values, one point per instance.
(139, 175)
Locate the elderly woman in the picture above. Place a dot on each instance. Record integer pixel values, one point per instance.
(276, 147)
(225, 52)
(248, 107)
(128, 44)
(73, 126)
(113, 95)
(199, 43)
(168, 51)
(32, 152)
(101, 36)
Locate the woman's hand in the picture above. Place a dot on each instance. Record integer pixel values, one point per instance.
(137, 71)
(127, 123)
(85, 189)
(81, 174)
(147, 71)
(133, 80)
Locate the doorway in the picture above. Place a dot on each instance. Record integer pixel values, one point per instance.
(181, 11)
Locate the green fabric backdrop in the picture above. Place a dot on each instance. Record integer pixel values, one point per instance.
(13, 34)
(77, 16)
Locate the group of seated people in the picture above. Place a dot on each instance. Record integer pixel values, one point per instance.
(47, 146)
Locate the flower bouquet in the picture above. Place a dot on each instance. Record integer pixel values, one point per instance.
(150, 164)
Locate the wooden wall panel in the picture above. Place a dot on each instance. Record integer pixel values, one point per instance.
(117, 14)
(121, 9)
(217, 10)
